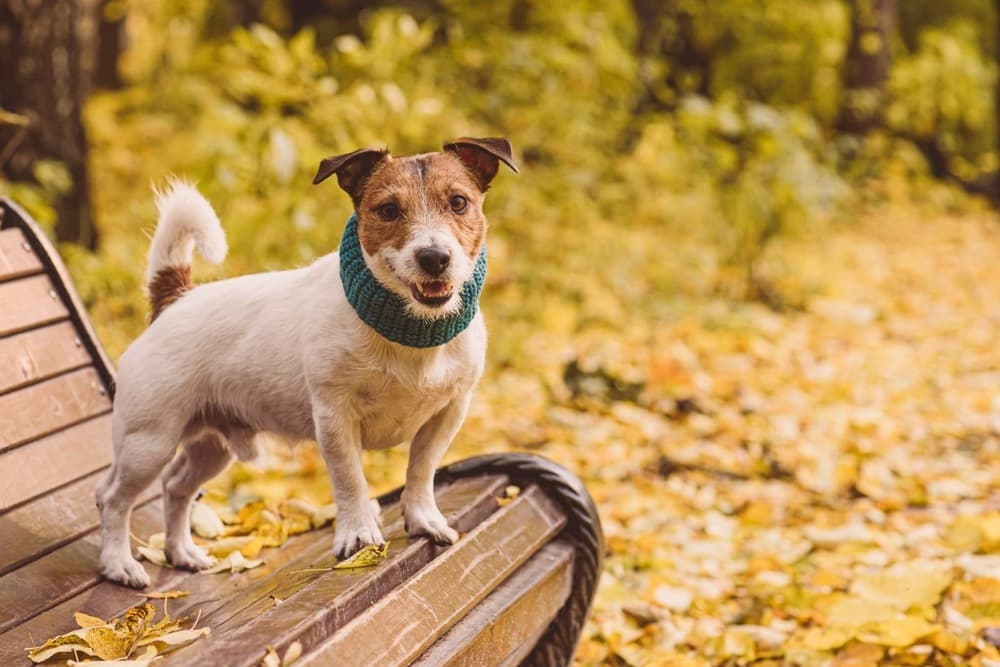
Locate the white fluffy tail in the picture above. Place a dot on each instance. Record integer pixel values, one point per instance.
(186, 220)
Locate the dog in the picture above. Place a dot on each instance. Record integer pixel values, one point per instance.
(348, 351)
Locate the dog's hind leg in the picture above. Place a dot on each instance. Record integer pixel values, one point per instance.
(129, 476)
(199, 460)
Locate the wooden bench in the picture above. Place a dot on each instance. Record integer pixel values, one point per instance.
(514, 590)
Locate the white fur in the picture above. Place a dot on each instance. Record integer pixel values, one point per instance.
(186, 220)
(282, 352)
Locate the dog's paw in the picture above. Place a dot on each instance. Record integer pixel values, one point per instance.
(127, 572)
(353, 532)
(430, 522)
(189, 557)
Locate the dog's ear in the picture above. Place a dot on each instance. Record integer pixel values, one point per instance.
(351, 168)
(482, 156)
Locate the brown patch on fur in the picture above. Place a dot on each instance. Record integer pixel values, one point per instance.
(420, 185)
(167, 286)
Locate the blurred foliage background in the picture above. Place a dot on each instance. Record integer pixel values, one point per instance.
(751, 254)
(710, 132)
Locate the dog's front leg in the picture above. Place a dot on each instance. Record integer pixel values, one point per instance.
(358, 524)
(420, 510)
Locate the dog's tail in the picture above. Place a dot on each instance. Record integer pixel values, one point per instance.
(186, 220)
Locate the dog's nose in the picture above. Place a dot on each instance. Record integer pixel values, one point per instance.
(433, 260)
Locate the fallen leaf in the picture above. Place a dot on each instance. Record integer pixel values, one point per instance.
(157, 556)
(88, 621)
(205, 522)
(234, 562)
(292, 653)
(898, 632)
(166, 595)
(373, 554)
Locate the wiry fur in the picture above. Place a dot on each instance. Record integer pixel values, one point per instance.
(282, 352)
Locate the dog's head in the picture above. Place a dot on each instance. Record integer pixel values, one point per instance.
(420, 217)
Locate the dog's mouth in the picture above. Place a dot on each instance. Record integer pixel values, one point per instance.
(434, 293)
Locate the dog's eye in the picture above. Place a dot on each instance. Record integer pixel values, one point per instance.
(458, 203)
(388, 212)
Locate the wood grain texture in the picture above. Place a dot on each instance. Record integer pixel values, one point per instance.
(54, 460)
(428, 604)
(230, 604)
(13, 216)
(49, 406)
(50, 521)
(513, 614)
(28, 303)
(315, 603)
(62, 573)
(16, 257)
(40, 354)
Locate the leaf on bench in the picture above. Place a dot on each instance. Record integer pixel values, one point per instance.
(234, 562)
(373, 554)
(114, 641)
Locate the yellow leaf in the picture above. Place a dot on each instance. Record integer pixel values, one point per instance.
(156, 556)
(166, 595)
(823, 639)
(224, 547)
(898, 632)
(67, 643)
(234, 562)
(271, 659)
(949, 642)
(142, 661)
(88, 621)
(172, 640)
(916, 583)
(372, 554)
(205, 522)
(859, 655)
(292, 653)
(851, 612)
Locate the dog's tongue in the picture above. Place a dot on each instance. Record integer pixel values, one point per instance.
(434, 288)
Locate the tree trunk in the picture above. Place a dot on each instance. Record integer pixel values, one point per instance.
(866, 65)
(110, 26)
(42, 79)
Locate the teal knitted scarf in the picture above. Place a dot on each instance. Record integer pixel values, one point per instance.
(386, 312)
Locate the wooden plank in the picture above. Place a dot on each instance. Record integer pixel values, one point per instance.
(61, 574)
(50, 521)
(27, 303)
(52, 461)
(49, 406)
(441, 593)
(16, 256)
(316, 601)
(235, 600)
(40, 354)
(510, 616)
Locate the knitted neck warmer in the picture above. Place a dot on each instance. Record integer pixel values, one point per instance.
(386, 312)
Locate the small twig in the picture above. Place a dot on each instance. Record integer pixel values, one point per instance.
(312, 569)
(16, 119)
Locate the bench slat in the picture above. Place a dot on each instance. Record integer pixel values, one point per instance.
(50, 521)
(444, 590)
(233, 600)
(49, 406)
(61, 574)
(518, 610)
(55, 460)
(27, 303)
(39, 354)
(16, 256)
(347, 593)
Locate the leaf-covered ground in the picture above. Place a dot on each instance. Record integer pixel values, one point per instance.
(776, 488)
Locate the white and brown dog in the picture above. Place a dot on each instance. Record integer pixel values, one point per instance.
(300, 354)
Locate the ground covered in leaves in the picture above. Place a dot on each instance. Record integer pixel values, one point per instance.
(817, 486)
